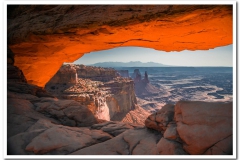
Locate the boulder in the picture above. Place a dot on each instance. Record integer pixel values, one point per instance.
(202, 125)
(171, 131)
(160, 119)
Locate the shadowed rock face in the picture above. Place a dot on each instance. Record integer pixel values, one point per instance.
(43, 37)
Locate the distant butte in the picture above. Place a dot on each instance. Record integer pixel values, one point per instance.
(43, 37)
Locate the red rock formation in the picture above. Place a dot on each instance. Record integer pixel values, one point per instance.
(196, 128)
(142, 87)
(110, 100)
(203, 125)
(95, 73)
(43, 37)
(160, 120)
(136, 116)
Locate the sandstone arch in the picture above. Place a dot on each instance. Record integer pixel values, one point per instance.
(43, 37)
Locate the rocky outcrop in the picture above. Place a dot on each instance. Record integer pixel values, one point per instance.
(160, 119)
(122, 98)
(194, 128)
(41, 125)
(142, 86)
(203, 125)
(136, 116)
(42, 37)
(108, 97)
(69, 73)
(38, 123)
(32, 118)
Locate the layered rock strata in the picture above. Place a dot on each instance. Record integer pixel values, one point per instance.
(95, 73)
(107, 95)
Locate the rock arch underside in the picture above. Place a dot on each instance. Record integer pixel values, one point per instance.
(67, 111)
(43, 37)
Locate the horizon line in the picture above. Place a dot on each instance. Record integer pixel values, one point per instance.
(166, 65)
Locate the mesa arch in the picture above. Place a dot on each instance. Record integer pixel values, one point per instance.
(43, 37)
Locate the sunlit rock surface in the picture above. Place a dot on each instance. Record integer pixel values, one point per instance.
(194, 128)
(102, 90)
(203, 125)
(43, 37)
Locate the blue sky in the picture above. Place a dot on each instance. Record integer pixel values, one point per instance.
(220, 56)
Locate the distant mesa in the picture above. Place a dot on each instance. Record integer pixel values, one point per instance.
(129, 64)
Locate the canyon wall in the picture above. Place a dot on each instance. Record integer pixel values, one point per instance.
(95, 73)
(108, 96)
(42, 37)
(122, 98)
(195, 128)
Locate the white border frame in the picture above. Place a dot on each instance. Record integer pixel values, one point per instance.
(234, 156)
